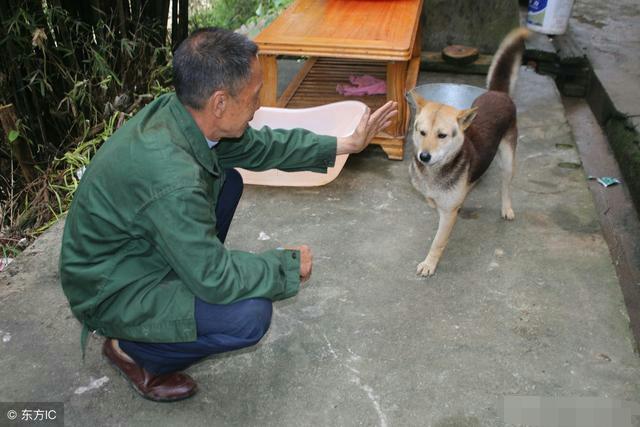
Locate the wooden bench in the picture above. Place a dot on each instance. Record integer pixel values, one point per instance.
(342, 38)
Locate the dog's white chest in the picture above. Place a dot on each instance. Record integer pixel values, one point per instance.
(421, 181)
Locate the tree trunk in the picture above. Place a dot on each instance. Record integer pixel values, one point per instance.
(20, 147)
(180, 22)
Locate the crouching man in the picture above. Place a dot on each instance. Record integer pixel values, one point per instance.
(143, 260)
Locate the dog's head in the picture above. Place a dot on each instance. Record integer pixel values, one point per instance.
(438, 130)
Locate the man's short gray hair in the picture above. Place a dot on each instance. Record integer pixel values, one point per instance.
(211, 59)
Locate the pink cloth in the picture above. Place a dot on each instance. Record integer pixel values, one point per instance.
(362, 85)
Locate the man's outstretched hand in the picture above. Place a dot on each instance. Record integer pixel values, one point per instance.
(306, 261)
(370, 125)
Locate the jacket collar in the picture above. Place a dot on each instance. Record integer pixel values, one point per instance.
(196, 140)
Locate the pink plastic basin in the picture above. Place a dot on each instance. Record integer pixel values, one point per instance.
(336, 119)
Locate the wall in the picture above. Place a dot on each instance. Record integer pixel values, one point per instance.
(477, 23)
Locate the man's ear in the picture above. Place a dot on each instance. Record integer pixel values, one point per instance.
(218, 102)
(465, 117)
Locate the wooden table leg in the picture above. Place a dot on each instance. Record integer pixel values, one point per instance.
(393, 144)
(269, 91)
(414, 63)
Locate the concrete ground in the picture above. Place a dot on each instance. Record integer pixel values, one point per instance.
(525, 308)
(610, 33)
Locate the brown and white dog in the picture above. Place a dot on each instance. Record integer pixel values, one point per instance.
(455, 147)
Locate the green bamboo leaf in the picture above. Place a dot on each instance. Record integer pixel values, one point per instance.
(13, 135)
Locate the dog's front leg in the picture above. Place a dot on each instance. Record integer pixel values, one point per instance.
(445, 225)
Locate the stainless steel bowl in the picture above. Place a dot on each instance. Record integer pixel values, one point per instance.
(456, 95)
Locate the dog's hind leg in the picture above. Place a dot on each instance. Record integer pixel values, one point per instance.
(507, 149)
(445, 225)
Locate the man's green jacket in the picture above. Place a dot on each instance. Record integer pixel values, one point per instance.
(140, 238)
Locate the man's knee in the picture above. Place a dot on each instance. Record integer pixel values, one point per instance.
(256, 319)
(238, 325)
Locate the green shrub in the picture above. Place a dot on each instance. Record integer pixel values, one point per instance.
(232, 14)
(229, 14)
(71, 82)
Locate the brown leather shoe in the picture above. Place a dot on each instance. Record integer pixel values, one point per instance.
(160, 388)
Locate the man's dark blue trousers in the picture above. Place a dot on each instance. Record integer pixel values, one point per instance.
(220, 327)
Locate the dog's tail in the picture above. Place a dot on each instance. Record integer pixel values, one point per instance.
(506, 61)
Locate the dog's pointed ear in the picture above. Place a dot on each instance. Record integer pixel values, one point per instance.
(420, 101)
(465, 117)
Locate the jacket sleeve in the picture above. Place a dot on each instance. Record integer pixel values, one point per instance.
(212, 272)
(287, 150)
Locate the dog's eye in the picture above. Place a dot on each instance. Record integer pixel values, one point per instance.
(423, 133)
(442, 135)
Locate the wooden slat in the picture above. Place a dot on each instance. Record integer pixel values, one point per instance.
(412, 73)
(412, 78)
(268, 93)
(295, 83)
(319, 85)
(396, 80)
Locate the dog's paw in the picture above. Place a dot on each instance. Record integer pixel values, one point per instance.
(426, 268)
(508, 214)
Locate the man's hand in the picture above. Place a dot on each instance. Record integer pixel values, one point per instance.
(306, 261)
(370, 125)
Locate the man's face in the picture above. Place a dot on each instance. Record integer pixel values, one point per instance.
(243, 105)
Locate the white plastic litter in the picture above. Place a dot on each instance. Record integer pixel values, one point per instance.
(80, 172)
(93, 384)
(4, 262)
(605, 181)
(263, 236)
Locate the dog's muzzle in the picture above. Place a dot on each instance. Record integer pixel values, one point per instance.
(424, 157)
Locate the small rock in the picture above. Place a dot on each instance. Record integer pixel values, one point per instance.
(4, 262)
